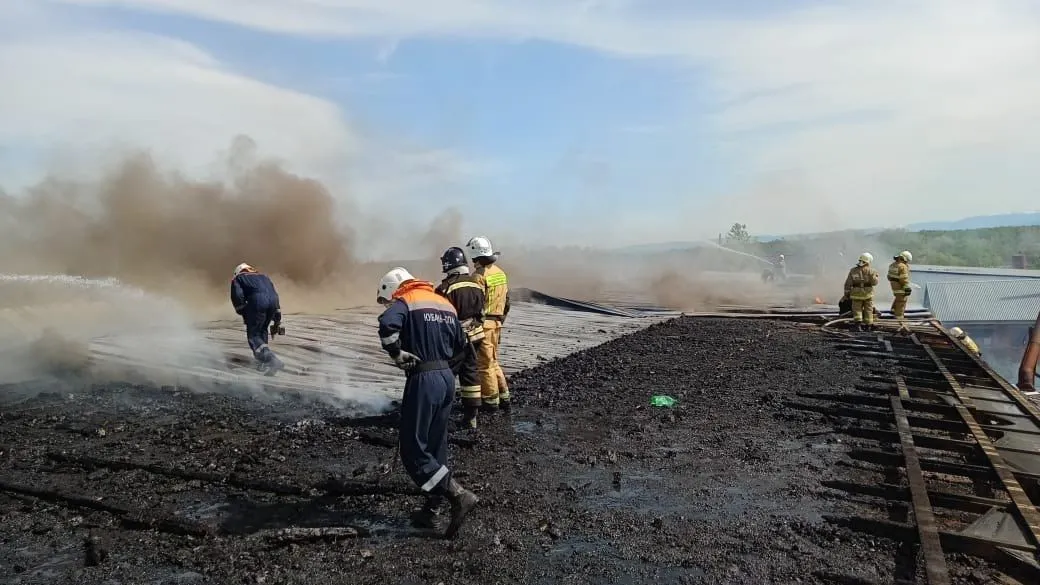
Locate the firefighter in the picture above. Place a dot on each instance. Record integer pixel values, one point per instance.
(781, 264)
(967, 341)
(493, 387)
(462, 290)
(899, 280)
(859, 288)
(254, 298)
(421, 332)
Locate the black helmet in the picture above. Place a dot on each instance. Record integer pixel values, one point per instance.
(452, 258)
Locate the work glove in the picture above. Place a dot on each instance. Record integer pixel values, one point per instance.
(277, 329)
(405, 360)
(907, 291)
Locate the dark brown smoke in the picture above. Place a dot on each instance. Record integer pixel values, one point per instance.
(167, 232)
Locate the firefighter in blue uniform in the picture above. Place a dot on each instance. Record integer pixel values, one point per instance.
(420, 330)
(254, 297)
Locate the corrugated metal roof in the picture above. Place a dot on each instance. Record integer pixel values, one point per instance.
(1008, 300)
(977, 271)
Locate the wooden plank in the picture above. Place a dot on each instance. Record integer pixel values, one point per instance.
(924, 517)
(954, 384)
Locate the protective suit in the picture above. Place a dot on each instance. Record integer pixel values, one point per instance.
(899, 280)
(420, 331)
(859, 288)
(493, 386)
(967, 341)
(254, 298)
(467, 296)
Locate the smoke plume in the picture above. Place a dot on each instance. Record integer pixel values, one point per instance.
(444, 232)
(169, 233)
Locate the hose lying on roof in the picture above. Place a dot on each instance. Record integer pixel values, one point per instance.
(838, 320)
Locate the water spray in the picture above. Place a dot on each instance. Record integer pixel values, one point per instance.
(732, 251)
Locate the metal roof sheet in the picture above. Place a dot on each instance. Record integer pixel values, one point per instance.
(977, 271)
(338, 353)
(1007, 300)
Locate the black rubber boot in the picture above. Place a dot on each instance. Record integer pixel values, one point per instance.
(462, 503)
(469, 416)
(429, 517)
(505, 406)
(488, 408)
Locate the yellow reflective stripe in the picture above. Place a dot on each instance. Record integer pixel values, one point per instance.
(496, 286)
(463, 284)
(496, 279)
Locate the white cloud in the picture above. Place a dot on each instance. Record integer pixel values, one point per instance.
(89, 90)
(898, 108)
(879, 107)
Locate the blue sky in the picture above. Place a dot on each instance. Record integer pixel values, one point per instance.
(587, 123)
(550, 119)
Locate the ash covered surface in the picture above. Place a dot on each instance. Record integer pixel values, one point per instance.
(585, 483)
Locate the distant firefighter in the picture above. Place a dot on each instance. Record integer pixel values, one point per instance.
(254, 298)
(899, 280)
(967, 341)
(859, 288)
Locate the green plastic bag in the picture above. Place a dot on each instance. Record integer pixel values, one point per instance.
(662, 400)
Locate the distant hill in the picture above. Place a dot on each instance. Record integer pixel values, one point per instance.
(968, 223)
(979, 221)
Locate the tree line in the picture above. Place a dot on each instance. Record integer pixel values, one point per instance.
(983, 247)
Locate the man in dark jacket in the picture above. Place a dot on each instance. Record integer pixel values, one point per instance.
(420, 331)
(467, 296)
(254, 297)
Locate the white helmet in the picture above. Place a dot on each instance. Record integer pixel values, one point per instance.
(906, 256)
(390, 282)
(957, 332)
(243, 267)
(866, 258)
(480, 247)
